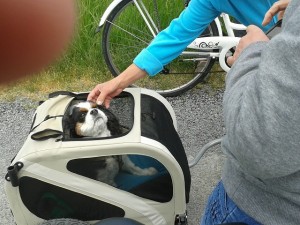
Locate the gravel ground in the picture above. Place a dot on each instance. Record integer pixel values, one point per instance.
(199, 117)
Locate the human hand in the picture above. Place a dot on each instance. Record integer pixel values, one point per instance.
(254, 34)
(277, 8)
(105, 92)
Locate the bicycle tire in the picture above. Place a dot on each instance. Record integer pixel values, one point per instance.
(124, 37)
(64, 221)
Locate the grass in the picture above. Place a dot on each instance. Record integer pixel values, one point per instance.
(83, 66)
(38, 87)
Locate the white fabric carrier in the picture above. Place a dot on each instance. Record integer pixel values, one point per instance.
(43, 181)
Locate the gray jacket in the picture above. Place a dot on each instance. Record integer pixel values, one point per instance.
(262, 120)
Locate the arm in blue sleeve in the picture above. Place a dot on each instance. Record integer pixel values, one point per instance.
(169, 43)
(193, 20)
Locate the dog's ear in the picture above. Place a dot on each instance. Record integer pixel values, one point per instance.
(114, 126)
(112, 121)
(70, 110)
(70, 123)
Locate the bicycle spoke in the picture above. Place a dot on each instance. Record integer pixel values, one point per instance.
(130, 33)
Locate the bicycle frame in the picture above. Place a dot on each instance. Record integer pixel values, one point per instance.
(208, 44)
(221, 43)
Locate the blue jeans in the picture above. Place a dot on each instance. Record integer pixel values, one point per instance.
(221, 209)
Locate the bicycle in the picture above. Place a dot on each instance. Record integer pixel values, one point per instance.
(124, 37)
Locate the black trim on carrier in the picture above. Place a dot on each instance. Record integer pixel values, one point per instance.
(51, 202)
(158, 188)
(157, 124)
(12, 173)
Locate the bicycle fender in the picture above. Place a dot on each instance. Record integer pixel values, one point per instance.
(219, 27)
(228, 43)
(108, 10)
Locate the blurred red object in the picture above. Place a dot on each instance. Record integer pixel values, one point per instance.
(33, 34)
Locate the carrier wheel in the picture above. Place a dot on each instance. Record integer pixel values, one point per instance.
(118, 221)
(64, 221)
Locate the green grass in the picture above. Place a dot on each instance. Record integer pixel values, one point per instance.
(83, 66)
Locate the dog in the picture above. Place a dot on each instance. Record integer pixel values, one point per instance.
(90, 120)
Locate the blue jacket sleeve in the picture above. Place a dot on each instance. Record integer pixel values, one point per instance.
(169, 43)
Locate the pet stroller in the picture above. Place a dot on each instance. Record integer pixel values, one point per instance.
(44, 180)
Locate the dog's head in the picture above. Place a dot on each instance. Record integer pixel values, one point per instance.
(90, 120)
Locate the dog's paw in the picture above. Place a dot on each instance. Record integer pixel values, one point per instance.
(150, 171)
(107, 181)
(112, 183)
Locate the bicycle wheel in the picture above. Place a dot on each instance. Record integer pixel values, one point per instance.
(125, 34)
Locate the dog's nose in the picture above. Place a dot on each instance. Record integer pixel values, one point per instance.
(94, 112)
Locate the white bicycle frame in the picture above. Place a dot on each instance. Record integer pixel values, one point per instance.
(207, 44)
(222, 43)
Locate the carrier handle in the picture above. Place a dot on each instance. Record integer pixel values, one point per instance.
(68, 93)
(12, 173)
(46, 134)
(45, 119)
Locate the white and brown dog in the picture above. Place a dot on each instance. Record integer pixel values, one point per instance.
(90, 120)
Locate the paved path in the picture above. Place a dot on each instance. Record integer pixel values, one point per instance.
(199, 117)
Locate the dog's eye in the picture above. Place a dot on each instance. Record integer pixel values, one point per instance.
(82, 117)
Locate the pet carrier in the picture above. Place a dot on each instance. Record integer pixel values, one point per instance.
(44, 181)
